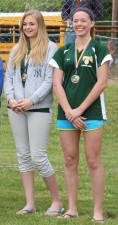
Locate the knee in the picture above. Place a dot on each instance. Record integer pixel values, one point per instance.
(23, 157)
(24, 161)
(93, 164)
(43, 165)
(70, 162)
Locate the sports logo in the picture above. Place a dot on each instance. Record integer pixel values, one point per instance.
(87, 60)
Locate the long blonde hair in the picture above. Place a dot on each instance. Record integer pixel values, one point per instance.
(40, 44)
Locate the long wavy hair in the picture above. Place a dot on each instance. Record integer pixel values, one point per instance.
(40, 44)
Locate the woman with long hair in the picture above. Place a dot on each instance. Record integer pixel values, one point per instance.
(80, 76)
(28, 88)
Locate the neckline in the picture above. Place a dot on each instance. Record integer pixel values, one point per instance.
(85, 46)
(79, 52)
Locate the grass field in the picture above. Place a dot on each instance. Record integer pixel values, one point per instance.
(11, 191)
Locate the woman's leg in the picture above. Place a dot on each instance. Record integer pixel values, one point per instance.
(93, 140)
(39, 125)
(28, 184)
(70, 145)
(18, 123)
(52, 187)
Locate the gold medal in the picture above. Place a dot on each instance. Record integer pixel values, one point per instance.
(75, 79)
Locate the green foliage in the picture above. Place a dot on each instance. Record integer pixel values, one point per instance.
(21, 6)
(107, 10)
(47, 5)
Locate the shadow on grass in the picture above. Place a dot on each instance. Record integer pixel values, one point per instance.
(112, 215)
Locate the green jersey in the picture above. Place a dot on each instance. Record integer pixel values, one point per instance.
(79, 82)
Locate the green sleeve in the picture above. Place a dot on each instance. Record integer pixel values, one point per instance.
(101, 52)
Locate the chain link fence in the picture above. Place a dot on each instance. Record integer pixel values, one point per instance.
(57, 25)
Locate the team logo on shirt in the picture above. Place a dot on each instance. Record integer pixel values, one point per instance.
(87, 60)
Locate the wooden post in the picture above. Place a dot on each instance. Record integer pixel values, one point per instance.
(114, 14)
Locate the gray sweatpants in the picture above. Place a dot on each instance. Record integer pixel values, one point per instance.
(31, 131)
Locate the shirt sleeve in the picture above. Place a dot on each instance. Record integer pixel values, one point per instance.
(58, 59)
(103, 54)
(8, 84)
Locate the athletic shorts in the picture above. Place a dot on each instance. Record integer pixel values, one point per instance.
(90, 125)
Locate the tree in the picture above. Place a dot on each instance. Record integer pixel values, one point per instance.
(21, 6)
(107, 10)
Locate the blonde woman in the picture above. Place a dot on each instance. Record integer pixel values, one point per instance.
(28, 88)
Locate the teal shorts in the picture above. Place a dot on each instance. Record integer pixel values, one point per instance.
(90, 125)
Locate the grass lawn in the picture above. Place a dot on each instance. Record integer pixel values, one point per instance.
(11, 191)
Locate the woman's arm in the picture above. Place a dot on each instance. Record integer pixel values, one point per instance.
(102, 77)
(8, 85)
(59, 90)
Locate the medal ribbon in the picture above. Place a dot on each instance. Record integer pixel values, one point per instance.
(77, 61)
(24, 67)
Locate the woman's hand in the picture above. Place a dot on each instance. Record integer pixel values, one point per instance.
(20, 105)
(72, 114)
(23, 105)
(12, 104)
(79, 122)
